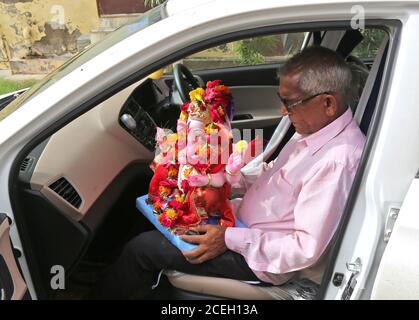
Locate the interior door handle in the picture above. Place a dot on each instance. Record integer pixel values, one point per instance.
(240, 117)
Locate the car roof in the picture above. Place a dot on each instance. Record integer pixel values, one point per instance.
(174, 7)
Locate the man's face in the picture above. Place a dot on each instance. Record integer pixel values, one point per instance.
(307, 117)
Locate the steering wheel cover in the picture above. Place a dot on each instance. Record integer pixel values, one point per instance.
(179, 72)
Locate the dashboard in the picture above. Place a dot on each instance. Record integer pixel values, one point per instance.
(74, 179)
(74, 166)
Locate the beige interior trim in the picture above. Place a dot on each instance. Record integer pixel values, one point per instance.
(89, 152)
(265, 112)
(6, 251)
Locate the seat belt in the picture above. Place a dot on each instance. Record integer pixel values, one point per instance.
(349, 41)
(317, 38)
(254, 167)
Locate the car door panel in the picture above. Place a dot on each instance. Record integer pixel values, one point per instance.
(260, 75)
(12, 285)
(254, 111)
(254, 91)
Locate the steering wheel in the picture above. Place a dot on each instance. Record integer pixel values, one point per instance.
(184, 81)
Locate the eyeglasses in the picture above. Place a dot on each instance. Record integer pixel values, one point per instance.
(289, 106)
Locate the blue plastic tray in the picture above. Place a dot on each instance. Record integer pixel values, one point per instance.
(147, 211)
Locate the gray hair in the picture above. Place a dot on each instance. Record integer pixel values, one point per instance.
(320, 70)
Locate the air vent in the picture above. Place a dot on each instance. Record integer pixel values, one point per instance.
(26, 164)
(66, 191)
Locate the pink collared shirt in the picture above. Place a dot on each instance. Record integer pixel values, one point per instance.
(294, 207)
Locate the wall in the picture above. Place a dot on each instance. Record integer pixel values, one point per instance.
(36, 36)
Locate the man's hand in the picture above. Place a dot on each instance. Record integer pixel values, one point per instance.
(210, 244)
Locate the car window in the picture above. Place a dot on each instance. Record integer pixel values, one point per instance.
(149, 18)
(247, 52)
(369, 46)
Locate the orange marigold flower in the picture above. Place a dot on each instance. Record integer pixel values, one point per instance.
(187, 172)
(164, 190)
(172, 172)
(171, 214)
(221, 111)
(223, 88)
(156, 206)
(180, 198)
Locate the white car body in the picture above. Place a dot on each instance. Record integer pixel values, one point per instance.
(391, 162)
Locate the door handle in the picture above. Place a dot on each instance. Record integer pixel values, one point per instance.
(241, 117)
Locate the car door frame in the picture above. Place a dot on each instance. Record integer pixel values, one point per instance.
(358, 246)
(12, 284)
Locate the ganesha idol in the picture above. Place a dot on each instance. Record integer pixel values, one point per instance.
(189, 186)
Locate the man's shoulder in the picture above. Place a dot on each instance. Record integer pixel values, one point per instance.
(351, 134)
(346, 148)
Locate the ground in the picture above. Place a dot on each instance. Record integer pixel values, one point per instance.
(10, 83)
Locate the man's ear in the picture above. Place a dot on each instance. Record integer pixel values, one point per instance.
(331, 106)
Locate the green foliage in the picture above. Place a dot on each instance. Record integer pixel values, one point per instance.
(7, 86)
(252, 51)
(371, 43)
(153, 3)
(248, 55)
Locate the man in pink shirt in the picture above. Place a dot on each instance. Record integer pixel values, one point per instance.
(292, 208)
(295, 205)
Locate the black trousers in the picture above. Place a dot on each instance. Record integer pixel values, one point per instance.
(133, 274)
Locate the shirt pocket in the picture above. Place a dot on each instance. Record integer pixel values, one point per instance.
(285, 200)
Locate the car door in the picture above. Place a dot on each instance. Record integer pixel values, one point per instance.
(376, 256)
(12, 285)
(397, 276)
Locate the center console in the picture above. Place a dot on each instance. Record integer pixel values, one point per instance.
(138, 123)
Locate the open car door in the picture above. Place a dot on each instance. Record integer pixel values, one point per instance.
(12, 285)
(398, 276)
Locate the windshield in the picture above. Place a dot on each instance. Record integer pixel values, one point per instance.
(150, 17)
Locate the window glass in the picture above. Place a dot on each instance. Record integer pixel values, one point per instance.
(149, 18)
(247, 52)
(368, 48)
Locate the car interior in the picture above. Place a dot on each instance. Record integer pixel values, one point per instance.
(74, 196)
